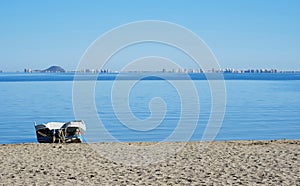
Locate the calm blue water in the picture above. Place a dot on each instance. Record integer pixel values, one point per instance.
(265, 107)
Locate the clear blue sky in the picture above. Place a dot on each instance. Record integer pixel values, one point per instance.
(241, 33)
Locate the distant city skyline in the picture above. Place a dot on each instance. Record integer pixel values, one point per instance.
(163, 70)
(242, 34)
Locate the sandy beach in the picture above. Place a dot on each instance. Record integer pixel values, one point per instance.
(221, 163)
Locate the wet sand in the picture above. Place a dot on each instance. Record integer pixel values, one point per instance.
(221, 163)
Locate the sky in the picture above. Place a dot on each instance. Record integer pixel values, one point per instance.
(242, 34)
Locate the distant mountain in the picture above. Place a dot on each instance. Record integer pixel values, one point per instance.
(54, 69)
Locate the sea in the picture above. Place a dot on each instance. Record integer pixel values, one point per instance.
(258, 106)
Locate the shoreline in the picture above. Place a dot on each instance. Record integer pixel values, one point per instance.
(152, 142)
(257, 162)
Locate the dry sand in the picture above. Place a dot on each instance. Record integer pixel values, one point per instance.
(221, 163)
